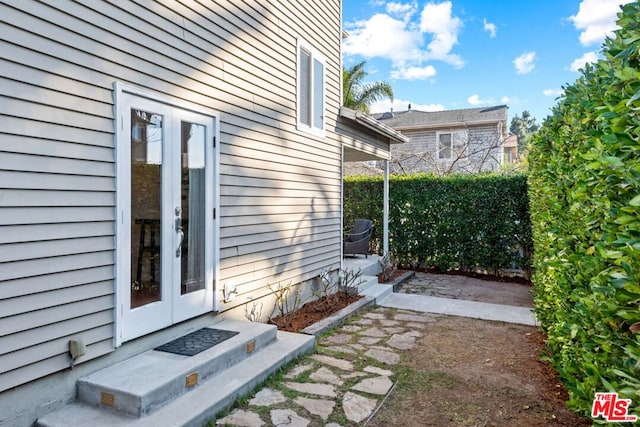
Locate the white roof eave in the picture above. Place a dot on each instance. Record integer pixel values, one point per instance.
(394, 136)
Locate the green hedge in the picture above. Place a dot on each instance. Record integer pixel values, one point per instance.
(456, 222)
(584, 168)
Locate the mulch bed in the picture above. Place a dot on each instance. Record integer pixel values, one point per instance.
(313, 312)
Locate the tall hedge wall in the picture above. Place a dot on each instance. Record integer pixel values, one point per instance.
(456, 222)
(584, 168)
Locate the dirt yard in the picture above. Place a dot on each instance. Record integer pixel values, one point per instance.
(467, 372)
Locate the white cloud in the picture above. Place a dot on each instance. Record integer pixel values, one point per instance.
(402, 10)
(553, 92)
(401, 36)
(413, 73)
(579, 63)
(475, 100)
(403, 105)
(524, 63)
(436, 19)
(596, 19)
(490, 28)
(383, 36)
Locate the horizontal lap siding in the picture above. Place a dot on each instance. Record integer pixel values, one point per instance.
(279, 188)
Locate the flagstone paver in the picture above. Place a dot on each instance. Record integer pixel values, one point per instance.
(377, 385)
(379, 371)
(297, 370)
(313, 388)
(402, 342)
(374, 315)
(356, 407)
(339, 338)
(389, 323)
(374, 332)
(346, 385)
(321, 407)
(369, 340)
(242, 418)
(288, 417)
(383, 356)
(325, 375)
(267, 397)
(394, 330)
(413, 318)
(353, 375)
(345, 365)
(341, 349)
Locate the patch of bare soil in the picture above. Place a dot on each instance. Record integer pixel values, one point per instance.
(313, 312)
(468, 372)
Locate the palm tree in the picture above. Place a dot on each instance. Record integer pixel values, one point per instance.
(358, 95)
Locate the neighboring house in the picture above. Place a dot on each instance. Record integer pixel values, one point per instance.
(443, 142)
(369, 168)
(510, 146)
(161, 163)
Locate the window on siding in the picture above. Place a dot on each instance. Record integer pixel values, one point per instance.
(310, 90)
(452, 145)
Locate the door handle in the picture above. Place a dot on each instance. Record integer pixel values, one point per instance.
(180, 232)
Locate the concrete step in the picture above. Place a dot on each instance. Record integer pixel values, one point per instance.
(141, 384)
(369, 266)
(150, 389)
(367, 282)
(379, 291)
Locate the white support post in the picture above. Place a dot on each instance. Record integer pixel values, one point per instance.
(385, 212)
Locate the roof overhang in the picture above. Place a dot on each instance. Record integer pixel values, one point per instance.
(369, 122)
(452, 124)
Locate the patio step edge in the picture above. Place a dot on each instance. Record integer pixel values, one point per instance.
(143, 383)
(202, 404)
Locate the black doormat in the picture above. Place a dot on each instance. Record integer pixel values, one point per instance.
(197, 341)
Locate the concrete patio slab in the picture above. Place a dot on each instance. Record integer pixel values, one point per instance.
(463, 308)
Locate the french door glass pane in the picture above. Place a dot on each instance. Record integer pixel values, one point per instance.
(193, 206)
(146, 182)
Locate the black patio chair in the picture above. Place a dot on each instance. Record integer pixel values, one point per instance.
(356, 240)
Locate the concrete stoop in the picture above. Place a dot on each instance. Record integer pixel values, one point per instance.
(370, 287)
(370, 266)
(157, 388)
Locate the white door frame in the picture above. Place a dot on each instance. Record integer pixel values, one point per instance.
(178, 307)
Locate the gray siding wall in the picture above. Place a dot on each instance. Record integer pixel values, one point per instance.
(280, 188)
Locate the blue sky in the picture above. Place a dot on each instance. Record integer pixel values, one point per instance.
(442, 55)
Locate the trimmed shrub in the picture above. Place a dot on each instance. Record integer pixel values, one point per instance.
(584, 183)
(456, 222)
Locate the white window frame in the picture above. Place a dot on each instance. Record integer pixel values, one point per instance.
(455, 135)
(315, 57)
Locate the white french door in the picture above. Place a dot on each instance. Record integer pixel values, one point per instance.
(166, 237)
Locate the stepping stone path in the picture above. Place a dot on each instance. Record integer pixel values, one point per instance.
(344, 383)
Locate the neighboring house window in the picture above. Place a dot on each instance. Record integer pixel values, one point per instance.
(310, 90)
(451, 145)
